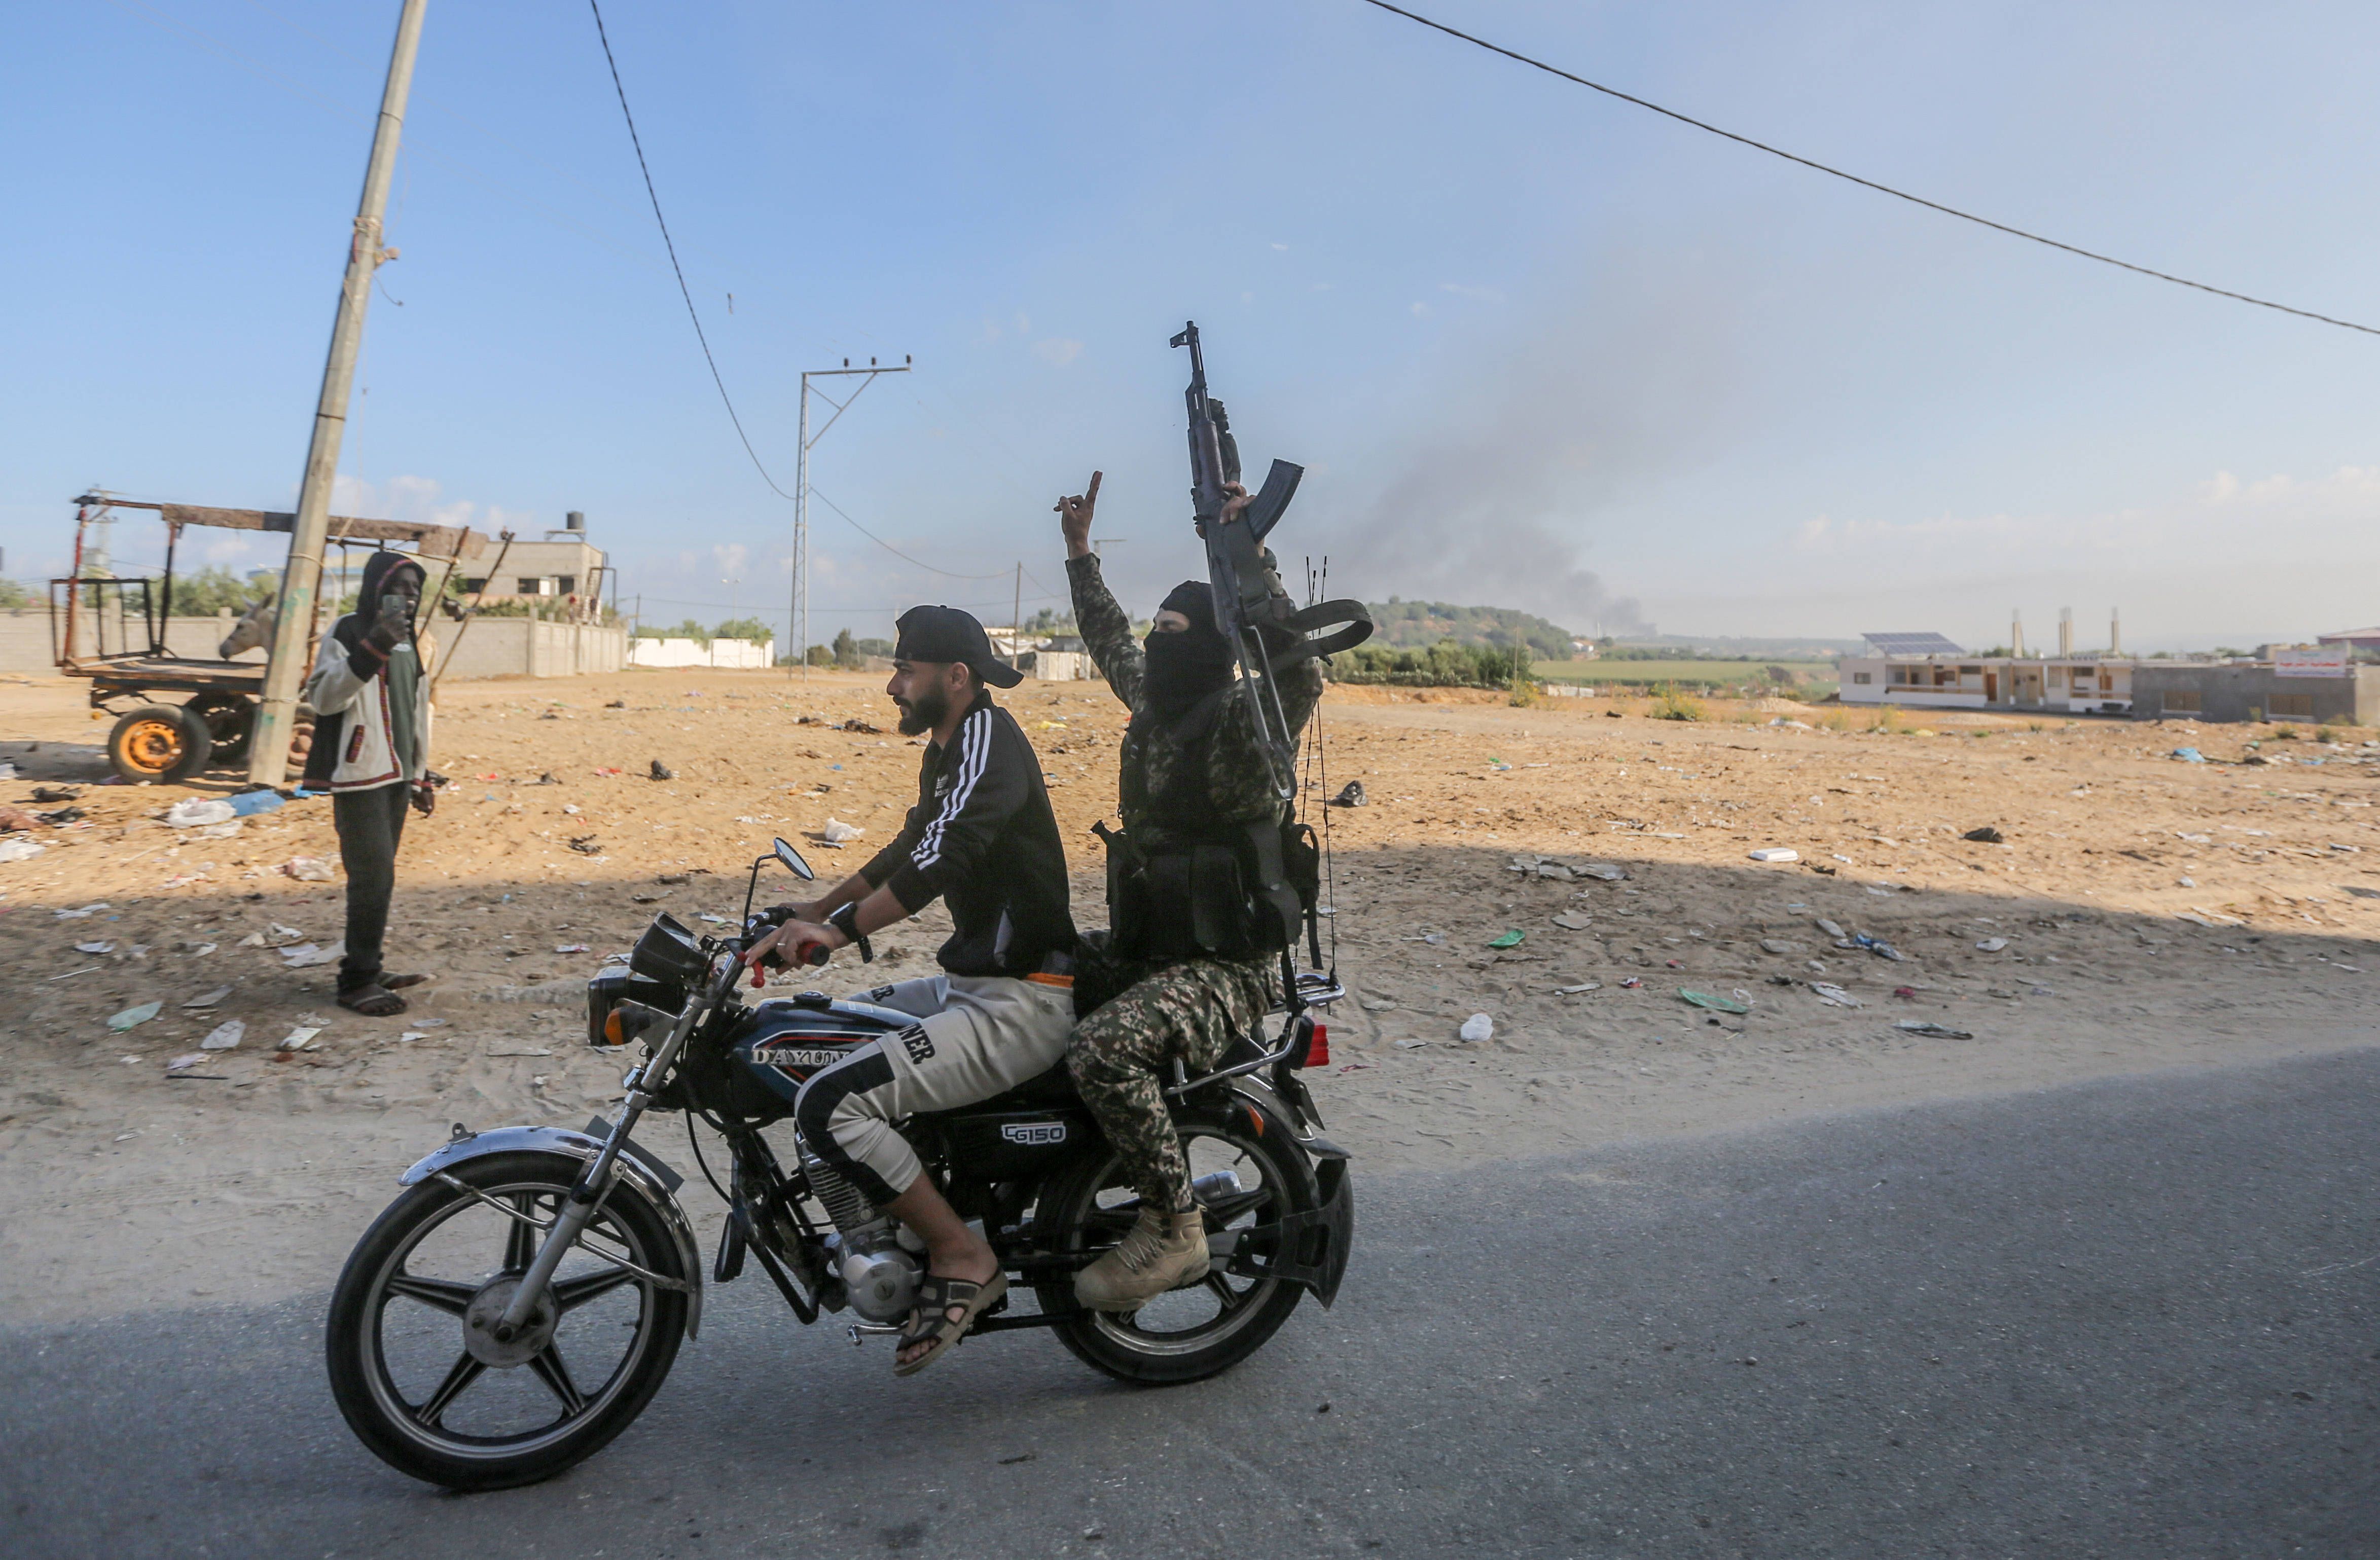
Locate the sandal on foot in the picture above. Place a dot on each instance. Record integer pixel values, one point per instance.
(398, 983)
(372, 1001)
(932, 1324)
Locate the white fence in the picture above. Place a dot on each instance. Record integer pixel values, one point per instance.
(740, 654)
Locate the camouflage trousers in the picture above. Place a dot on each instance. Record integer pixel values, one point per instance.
(1121, 1058)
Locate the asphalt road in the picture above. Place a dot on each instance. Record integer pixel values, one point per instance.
(2134, 1318)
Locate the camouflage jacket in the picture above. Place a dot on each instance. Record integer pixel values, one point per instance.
(1238, 783)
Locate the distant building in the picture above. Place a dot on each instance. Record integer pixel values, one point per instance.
(563, 572)
(2364, 639)
(2283, 682)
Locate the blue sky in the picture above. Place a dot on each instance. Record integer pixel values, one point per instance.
(1536, 348)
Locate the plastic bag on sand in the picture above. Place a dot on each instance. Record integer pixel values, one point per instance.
(306, 955)
(1715, 1004)
(1478, 1026)
(132, 1018)
(1831, 993)
(248, 803)
(838, 833)
(1776, 853)
(309, 869)
(192, 812)
(224, 1036)
(18, 848)
(1927, 1026)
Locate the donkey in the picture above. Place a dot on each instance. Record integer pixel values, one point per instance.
(254, 629)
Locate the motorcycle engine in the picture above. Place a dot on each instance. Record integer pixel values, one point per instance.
(879, 1271)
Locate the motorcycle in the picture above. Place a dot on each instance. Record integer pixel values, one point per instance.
(523, 1300)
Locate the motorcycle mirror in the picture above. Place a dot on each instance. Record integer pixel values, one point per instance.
(793, 863)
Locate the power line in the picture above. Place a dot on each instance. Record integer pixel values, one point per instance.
(872, 536)
(1869, 184)
(670, 245)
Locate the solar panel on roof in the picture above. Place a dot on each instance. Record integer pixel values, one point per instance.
(1912, 645)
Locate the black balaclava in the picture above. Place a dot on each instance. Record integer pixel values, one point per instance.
(1186, 665)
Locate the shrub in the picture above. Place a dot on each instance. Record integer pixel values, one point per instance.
(2285, 733)
(1444, 665)
(1669, 704)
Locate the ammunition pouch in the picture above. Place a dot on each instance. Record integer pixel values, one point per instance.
(1240, 893)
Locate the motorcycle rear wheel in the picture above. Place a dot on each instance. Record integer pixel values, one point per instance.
(404, 1367)
(1207, 1328)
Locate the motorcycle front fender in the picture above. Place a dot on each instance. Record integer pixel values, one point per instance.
(636, 1168)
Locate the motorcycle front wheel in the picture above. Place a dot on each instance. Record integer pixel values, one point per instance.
(432, 1394)
(1246, 1180)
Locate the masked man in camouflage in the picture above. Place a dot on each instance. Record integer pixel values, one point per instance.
(1192, 765)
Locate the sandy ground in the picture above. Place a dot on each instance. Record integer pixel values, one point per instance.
(2143, 913)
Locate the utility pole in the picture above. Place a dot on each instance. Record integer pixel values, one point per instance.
(797, 613)
(1016, 619)
(268, 760)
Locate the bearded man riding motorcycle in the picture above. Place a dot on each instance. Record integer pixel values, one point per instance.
(1193, 774)
(982, 838)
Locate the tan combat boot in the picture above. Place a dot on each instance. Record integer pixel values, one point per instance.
(1162, 1252)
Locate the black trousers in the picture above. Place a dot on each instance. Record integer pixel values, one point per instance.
(370, 823)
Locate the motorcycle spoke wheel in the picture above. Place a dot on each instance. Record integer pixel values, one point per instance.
(1211, 1323)
(417, 1368)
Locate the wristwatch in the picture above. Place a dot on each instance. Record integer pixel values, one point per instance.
(845, 920)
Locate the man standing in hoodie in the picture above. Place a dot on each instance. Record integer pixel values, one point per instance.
(370, 750)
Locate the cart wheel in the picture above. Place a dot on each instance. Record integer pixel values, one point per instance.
(231, 719)
(160, 742)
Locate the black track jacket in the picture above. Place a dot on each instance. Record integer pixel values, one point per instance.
(983, 837)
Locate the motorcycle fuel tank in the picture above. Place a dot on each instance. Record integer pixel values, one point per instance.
(781, 1042)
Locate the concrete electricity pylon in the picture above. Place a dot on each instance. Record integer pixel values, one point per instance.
(797, 613)
(268, 760)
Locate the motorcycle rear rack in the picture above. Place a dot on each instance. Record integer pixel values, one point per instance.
(1313, 991)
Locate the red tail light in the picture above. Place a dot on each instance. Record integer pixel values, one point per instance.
(1318, 1046)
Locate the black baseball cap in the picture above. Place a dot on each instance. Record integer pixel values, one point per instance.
(946, 633)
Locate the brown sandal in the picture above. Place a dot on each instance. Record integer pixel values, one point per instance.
(372, 1001)
(932, 1323)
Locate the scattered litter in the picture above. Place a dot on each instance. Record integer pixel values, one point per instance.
(1379, 1005)
(1573, 921)
(1776, 853)
(133, 1018)
(84, 971)
(1715, 1004)
(1879, 946)
(193, 811)
(532, 1051)
(2189, 756)
(1927, 1026)
(209, 998)
(661, 771)
(1433, 938)
(299, 1038)
(1601, 869)
(224, 1036)
(1835, 995)
(306, 955)
(838, 833)
(1509, 940)
(857, 724)
(1410, 1045)
(570, 948)
(1478, 1026)
(222, 830)
(1554, 870)
(94, 948)
(412, 1035)
(2360, 894)
(1991, 944)
(309, 869)
(714, 920)
(570, 809)
(18, 818)
(1830, 929)
(1631, 982)
(586, 844)
(1906, 993)
(1351, 795)
(248, 803)
(183, 1062)
(1986, 835)
(18, 848)
(52, 792)
(1574, 990)
(276, 935)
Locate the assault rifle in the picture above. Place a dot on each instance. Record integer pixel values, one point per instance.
(1266, 628)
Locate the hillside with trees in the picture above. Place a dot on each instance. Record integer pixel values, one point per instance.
(1402, 625)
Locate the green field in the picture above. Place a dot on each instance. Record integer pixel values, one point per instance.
(1815, 678)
